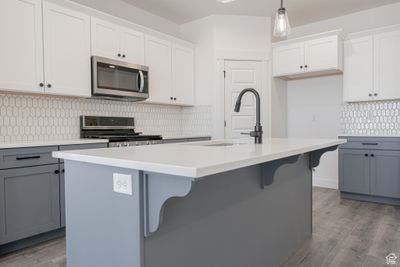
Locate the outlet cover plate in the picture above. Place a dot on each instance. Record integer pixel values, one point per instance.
(122, 183)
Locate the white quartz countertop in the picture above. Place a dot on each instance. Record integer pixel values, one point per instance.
(197, 159)
(52, 143)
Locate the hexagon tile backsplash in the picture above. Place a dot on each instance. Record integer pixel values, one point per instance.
(47, 118)
(372, 118)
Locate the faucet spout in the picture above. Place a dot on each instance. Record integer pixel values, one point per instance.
(258, 132)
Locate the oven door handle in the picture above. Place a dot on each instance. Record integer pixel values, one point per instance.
(141, 85)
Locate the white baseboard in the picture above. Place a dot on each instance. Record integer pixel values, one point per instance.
(325, 182)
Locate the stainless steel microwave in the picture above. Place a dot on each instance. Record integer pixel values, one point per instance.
(119, 80)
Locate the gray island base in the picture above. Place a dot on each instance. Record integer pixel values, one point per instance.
(256, 215)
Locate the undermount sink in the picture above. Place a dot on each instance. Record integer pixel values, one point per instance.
(222, 143)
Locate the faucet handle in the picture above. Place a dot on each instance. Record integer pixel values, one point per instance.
(252, 134)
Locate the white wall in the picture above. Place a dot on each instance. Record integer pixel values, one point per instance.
(314, 104)
(220, 37)
(131, 13)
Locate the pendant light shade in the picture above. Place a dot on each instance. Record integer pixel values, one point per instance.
(282, 25)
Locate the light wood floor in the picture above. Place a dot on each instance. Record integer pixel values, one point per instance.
(346, 234)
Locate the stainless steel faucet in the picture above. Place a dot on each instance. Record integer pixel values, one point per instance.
(258, 132)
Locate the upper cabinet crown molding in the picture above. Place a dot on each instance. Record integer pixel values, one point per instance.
(372, 66)
(314, 55)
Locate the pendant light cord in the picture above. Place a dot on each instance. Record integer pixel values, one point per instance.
(281, 3)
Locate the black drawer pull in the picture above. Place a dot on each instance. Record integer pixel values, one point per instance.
(26, 158)
(370, 144)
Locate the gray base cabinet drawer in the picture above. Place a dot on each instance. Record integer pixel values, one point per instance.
(25, 157)
(29, 202)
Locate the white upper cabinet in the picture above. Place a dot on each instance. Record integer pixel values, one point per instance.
(288, 59)
(105, 39)
(358, 77)
(21, 45)
(183, 75)
(67, 51)
(132, 46)
(323, 54)
(387, 65)
(171, 72)
(372, 65)
(159, 60)
(308, 56)
(117, 42)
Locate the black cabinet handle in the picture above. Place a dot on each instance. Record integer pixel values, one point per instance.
(369, 144)
(301, 67)
(366, 155)
(376, 94)
(370, 95)
(27, 158)
(175, 98)
(49, 86)
(119, 55)
(63, 170)
(41, 84)
(372, 155)
(305, 66)
(56, 171)
(172, 98)
(124, 56)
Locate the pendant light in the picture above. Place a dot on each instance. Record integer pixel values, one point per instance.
(282, 25)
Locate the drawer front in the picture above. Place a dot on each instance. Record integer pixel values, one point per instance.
(82, 147)
(26, 157)
(377, 143)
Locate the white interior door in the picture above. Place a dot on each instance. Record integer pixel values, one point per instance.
(21, 45)
(240, 75)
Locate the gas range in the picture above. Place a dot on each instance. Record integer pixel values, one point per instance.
(120, 131)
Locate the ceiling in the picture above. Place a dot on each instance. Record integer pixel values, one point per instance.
(300, 11)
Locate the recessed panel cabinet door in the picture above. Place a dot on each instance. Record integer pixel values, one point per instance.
(387, 65)
(183, 75)
(354, 171)
(322, 54)
(21, 45)
(105, 39)
(67, 51)
(358, 76)
(29, 202)
(132, 46)
(158, 59)
(288, 59)
(385, 173)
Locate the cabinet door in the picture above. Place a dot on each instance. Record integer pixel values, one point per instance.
(105, 39)
(158, 59)
(21, 46)
(385, 173)
(358, 76)
(288, 59)
(183, 75)
(132, 46)
(354, 172)
(322, 54)
(387, 65)
(29, 202)
(67, 51)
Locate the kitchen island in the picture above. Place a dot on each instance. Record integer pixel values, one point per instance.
(215, 203)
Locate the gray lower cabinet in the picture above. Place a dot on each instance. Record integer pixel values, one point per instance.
(354, 171)
(385, 173)
(369, 169)
(30, 202)
(62, 195)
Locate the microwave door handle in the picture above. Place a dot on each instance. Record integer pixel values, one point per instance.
(141, 87)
